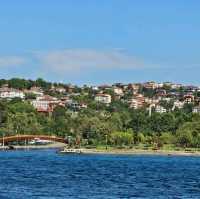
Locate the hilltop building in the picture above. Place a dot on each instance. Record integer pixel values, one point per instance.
(137, 101)
(103, 98)
(10, 93)
(196, 109)
(160, 109)
(46, 103)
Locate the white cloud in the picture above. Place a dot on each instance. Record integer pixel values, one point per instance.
(78, 60)
(8, 61)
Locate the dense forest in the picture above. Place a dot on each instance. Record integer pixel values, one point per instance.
(117, 124)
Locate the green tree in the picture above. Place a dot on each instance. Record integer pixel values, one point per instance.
(188, 134)
(184, 138)
(119, 138)
(167, 138)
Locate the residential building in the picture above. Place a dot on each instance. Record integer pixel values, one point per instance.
(152, 100)
(150, 85)
(176, 86)
(70, 88)
(10, 93)
(160, 109)
(161, 92)
(103, 98)
(76, 106)
(178, 104)
(95, 88)
(160, 85)
(137, 101)
(189, 98)
(35, 90)
(60, 89)
(133, 103)
(196, 109)
(118, 91)
(46, 103)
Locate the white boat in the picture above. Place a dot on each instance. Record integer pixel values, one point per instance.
(67, 151)
(38, 141)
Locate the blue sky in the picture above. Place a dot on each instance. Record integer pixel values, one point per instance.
(100, 41)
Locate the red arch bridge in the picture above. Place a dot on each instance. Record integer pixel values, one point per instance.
(7, 139)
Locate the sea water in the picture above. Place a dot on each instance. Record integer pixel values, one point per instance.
(46, 174)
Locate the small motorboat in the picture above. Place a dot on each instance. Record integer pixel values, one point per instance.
(70, 151)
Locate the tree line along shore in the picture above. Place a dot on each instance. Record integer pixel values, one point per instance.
(100, 125)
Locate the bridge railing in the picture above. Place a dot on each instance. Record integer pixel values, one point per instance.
(7, 139)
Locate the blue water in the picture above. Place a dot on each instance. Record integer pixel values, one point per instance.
(45, 174)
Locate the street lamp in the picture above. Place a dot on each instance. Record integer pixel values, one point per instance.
(3, 141)
(106, 141)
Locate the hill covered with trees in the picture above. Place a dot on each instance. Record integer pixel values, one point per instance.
(115, 124)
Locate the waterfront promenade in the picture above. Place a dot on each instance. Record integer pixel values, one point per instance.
(53, 145)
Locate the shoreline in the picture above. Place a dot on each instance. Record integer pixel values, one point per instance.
(139, 152)
(55, 145)
(108, 151)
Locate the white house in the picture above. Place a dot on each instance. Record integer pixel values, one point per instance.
(103, 98)
(35, 90)
(77, 106)
(95, 88)
(61, 90)
(150, 85)
(10, 93)
(178, 104)
(160, 109)
(45, 103)
(196, 109)
(175, 86)
(133, 103)
(118, 91)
